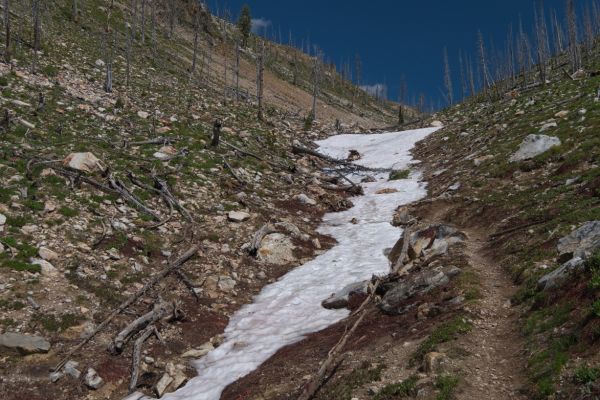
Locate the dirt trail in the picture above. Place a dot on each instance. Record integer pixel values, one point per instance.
(496, 366)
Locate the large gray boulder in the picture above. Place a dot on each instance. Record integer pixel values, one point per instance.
(393, 301)
(24, 344)
(561, 275)
(582, 242)
(534, 145)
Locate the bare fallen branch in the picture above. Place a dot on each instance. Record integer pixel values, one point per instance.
(151, 283)
(259, 236)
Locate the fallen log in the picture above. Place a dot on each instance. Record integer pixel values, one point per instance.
(151, 283)
(126, 194)
(259, 236)
(137, 355)
(159, 311)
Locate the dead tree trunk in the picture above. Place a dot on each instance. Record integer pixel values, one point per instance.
(108, 83)
(259, 81)
(74, 10)
(37, 32)
(143, 22)
(316, 73)
(154, 43)
(216, 136)
(448, 79)
(128, 55)
(237, 71)
(574, 52)
(172, 17)
(7, 54)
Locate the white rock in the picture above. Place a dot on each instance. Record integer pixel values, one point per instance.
(47, 268)
(547, 126)
(143, 114)
(534, 145)
(226, 284)
(99, 63)
(86, 162)
(562, 114)
(437, 124)
(92, 379)
(199, 352)
(2, 219)
(238, 216)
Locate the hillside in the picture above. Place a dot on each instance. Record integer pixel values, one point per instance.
(101, 191)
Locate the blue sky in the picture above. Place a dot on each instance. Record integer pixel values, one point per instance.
(393, 37)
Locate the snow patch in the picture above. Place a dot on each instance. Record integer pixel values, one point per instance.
(289, 309)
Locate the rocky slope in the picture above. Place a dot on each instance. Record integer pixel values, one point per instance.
(100, 191)
(510, 311)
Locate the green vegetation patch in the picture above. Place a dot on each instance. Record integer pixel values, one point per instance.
(399, 174)
(400, 390)
(443, 333)
(342, 388)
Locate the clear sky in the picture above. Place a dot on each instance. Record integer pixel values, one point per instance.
(394, 37)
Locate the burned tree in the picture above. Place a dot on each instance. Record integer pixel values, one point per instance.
(7, 54)
(574, 51)
(448, 79)
(259, 80)
(316, 82)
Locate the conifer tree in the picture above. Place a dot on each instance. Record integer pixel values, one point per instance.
(245, 24)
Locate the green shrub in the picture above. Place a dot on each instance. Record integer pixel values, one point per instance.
(585, 374)
(446, 385)
(399, 174)
(398, 390)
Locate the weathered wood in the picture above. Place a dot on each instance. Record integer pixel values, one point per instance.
(150, 284)
(137, 355)
(126, 194)
(259, 236)
(230, 169)
(159, 311)
(403, 253)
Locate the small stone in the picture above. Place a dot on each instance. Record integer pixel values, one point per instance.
(99, 63)
(437, 124)
(304, 199)
(143, 114)
(238, 216)
(92, 379)
(70, 369)
(226, 284)
(47, 254)
(2, 219)
(55, 376)
(200, 351)
(86, 162)
(435, 363)
(49, 206)
(562, 114)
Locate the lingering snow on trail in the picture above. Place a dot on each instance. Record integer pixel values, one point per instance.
(287, 310)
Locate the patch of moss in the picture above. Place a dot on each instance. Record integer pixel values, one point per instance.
(400, 390)
(446, 384)
(399, 174)
(442, 333)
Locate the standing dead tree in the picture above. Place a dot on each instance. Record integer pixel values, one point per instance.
(260, 69)
(448, 79)
(37, 32)
(7, 41)
(483, 63)
(74, 10)
(108, 50)
(574, 51)
(543, 46)
(237, 71)
(316, 82)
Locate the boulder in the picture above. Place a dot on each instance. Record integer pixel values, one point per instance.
(340, 299)
(165, 152)
(437, 124)
(47, 268)
(534, 145)
(561, 275)
(99, 63)
(143, 114)
(86, 162)
(238, 216)
(24, 344)
(47, 254)
(276, 248)
(92, 379)
(393, 301)
(226, 283)
(428, 242)
(582, 242)
(2, 219)
(70, 369)
(402, 217)
(480, 160)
